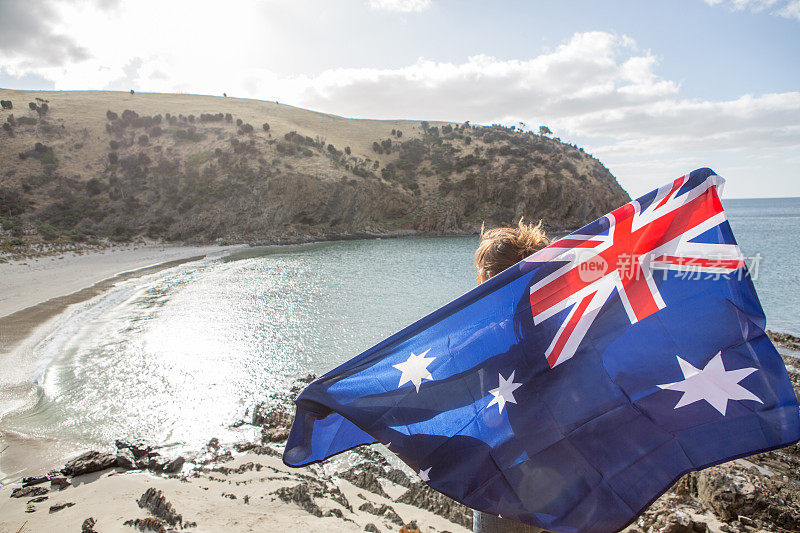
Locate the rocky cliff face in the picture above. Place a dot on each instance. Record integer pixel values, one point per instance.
(82, 166)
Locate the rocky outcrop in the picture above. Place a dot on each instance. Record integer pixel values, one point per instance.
(424, 497)
(156, 503)
(88, 463)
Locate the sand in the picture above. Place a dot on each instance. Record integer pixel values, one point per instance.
(215, 500)
(36, 290)
(33, 295)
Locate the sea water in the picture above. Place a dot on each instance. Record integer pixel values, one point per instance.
(179, 356)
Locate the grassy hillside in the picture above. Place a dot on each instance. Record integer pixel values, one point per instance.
(82, 166)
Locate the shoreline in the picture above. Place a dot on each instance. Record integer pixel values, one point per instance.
(241, 486)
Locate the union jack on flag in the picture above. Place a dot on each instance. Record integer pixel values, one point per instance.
(623, 251)
(572, 389)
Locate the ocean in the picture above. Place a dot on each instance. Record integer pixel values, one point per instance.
(177, 357)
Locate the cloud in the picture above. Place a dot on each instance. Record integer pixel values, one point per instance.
(26, 30)
(403, 6)
(130, 77)
(783, 8)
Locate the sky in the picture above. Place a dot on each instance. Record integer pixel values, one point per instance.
(652, 88)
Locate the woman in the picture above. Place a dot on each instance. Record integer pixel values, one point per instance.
(499, 249)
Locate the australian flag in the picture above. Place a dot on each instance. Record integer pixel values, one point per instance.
(571, 390)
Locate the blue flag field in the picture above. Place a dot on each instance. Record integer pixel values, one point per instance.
(571, 390)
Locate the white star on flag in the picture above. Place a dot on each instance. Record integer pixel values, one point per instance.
(425, 474)
(415, 369)
(504, 391)
(713, 384)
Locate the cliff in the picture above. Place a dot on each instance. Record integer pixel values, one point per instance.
(82, 166)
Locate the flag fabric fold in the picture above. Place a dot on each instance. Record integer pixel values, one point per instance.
(571, 390)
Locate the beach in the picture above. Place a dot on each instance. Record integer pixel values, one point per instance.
(239, 483)
(223, 489)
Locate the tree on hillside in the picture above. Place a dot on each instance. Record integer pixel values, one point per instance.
(544, 130)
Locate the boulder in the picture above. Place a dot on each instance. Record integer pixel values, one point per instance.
(154, 501)
(59, 481)
(126, 459)
(137, 448)
(34, 480)
(28, 492)
(89, 462)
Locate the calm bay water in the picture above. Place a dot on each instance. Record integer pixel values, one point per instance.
(178, 356)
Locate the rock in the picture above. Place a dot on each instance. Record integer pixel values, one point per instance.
(30, 509)
(34, 480)
(89, 462)
(59, 481)
(38, 499)
(258, 449)
(784, 339)
(299, 495)
(175, 465)
(372, 528)
(680, 522)
(126, 459)
(154, 501)
(268, 416)
(158, 463)
(88, 526)
(57, 507)
(213, 444)
(269, 434)
(28, 492)
(147, 524)
(137, 448)
(384, 510)
(364, 480)
(395, 475)
(424, 497)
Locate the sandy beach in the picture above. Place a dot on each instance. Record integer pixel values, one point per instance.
(245, 486)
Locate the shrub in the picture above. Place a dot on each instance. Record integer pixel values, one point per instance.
(121, 233)
(198, 159)
(156, 131)
(10, 120)
(265, 126)
(347, 150)
(208, 117)
(110, 115)
(113, 158)
(94, 187)
(228, 117)
(7, 129)
(144, 140)
(6, 104)
(189, 134)
(27, 121)
(285, 148)
(114, 145)
(47, 232)
(11, 203)
(239, 122)
(245, 128)
(129, 115)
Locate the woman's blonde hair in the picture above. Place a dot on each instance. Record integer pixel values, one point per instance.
(501, 248)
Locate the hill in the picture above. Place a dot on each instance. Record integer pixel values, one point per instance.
(82, 166)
